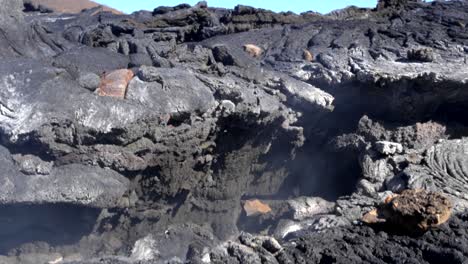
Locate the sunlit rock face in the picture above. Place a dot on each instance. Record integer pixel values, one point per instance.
(198, 134)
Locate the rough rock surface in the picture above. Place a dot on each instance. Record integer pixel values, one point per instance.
(336, 113)
(115, 83)
(412, 211)
(356, 244)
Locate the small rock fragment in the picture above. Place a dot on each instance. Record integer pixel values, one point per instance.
(307, 55)
(388, 148)
(372, 217)
(149, 74)
(271, 244)
(228, 106)
(242, 252)
(114, 84)
(206, 258)
(256, 207)
(253, 50)
(145, 249)
(421, 55)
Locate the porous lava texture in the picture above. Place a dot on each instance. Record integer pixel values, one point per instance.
(309, 121)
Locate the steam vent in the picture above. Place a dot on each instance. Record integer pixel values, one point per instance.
(195, 134)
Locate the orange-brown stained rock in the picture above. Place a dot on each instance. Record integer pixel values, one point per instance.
(253, 50)
(413, 211)
(372, 217)
(255, 207)
(115, 83)
(307, 55)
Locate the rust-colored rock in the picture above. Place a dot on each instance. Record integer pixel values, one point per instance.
(256, 207)
(413, 211)
(307, 55)
(253, 50)
(115, 83)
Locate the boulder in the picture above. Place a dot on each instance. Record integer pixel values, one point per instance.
(307, 55)
(221, 53)
(115, 83)
(256, 207)
(145, 249)
(388, 148)
(253, 50)
(413, 211)
(149, 74)
(421, 55)
(89, 81)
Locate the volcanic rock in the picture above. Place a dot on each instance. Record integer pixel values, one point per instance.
(222, 54)
(115, 83)
(414, 211)
(33, 165)
(388, 148)
(29, 6)
(145, 249)
(394, 3)
(149, 74)
(422, 55)
(165, 90)
(14, 40)
(253, 50)
(307, 56)
(75, 6)
(254, 207)
(90, 60)
(445, 165)
(307, 207)
(75, 184)
(89, 81)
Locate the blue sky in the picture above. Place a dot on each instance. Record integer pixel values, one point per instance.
(297, 6)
